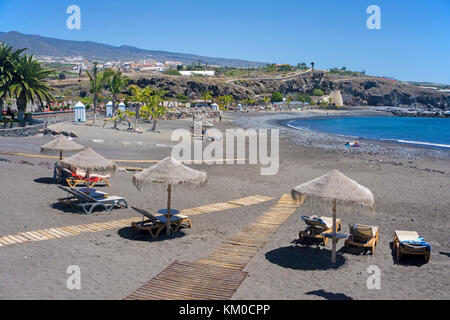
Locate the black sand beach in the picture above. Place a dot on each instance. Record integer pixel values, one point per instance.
(410, 186)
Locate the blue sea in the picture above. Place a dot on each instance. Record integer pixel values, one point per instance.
(431, 132)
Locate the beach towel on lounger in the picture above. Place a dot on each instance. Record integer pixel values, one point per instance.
(314, 219)
(419, 242)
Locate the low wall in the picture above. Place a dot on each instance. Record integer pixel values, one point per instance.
(39, 123)
(23, 131)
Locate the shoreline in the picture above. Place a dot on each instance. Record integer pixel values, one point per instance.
(334, 142)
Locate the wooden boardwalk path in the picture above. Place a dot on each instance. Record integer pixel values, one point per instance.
(218, 276)
(71, 231)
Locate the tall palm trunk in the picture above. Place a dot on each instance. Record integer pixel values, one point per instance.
(114, 112)
(1, 109)
(21, 107)
(95, 107)
(137, 110)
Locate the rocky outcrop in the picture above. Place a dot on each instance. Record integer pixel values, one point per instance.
(361, 91)
(192, 87)
(355, 91)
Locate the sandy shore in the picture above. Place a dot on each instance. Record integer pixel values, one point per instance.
(410, 195)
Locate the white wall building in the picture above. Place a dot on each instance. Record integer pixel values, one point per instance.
(202, 73)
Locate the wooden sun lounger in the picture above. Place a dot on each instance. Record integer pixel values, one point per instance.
(406, 248)
(155, 224)
(315, 229)
(73, 181)
(89, 204)
(363, 237)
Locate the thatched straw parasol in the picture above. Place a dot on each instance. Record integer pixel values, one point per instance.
(335, 187)
(171, 172)
(89, 161)
(61, 145)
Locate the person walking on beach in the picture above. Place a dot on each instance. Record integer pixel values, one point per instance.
(129, 124)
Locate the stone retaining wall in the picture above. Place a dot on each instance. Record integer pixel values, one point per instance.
(40, 122)
(23, 131)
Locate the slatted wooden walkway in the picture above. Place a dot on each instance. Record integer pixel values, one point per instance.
(191, 281)
(237, 252)
(71, 231)
(220, 275)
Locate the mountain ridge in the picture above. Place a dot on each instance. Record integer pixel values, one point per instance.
(46, 46)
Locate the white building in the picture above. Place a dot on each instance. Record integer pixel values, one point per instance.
(202, 73)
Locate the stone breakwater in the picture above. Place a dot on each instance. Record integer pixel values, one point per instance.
(368, 149)
(421, 114)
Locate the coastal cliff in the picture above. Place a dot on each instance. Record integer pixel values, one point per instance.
(356, 91)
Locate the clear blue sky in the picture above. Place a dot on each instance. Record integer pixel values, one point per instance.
(413, 44)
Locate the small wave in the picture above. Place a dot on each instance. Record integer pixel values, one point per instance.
(419, 143)
(309, 129)
(297, 128)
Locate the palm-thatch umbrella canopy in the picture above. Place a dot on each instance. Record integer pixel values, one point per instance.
(89, 161)
(207, 124)
(335, 187)
(171, 172)
(61, 145)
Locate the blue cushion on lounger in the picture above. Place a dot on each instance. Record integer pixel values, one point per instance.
(420, 242)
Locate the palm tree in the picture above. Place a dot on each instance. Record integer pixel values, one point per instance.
(140, 97)
(312, 65)
(206, 96)
(28, 84)
(116, 83)
(155, 108)
(228, 99)
(288, 101)
(119, 116)
(224, 101)
(8, 56)
(156, 113)
(266, 100)
(97, 80)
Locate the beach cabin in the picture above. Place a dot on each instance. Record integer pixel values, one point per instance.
(122, 107)
(109, 109)
(80, 112)
(215, 106)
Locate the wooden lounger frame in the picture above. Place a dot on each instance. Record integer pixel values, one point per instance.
(73, 182)
(371, 244)
(401, 249)
(317, 233)
(153, 226)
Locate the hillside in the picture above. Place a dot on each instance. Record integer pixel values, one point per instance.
(38, 45)
(356, 91)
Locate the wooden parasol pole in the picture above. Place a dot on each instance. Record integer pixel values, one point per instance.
(333, 253)
(169, 198)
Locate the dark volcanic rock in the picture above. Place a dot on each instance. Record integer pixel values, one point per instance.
(361, 91)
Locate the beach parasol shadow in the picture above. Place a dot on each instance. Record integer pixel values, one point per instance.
(129, 234)
(304, 258)
(45, 181)
(329, 295)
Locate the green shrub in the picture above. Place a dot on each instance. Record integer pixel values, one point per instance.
(318, 93)
(172, 72)
(277, 97)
